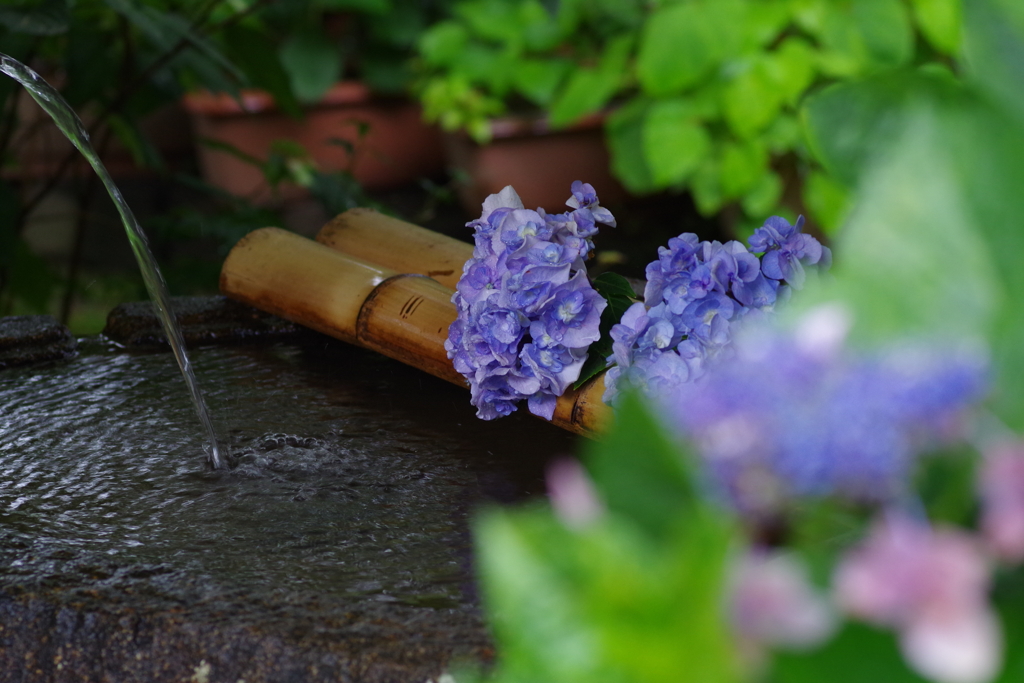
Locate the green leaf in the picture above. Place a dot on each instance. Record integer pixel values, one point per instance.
(857, 655)
(674, 142)
(940, 22)
(892, 268)
(640, 473)
(752, 99)
(763, 197)
(848, 123)
(864, 36)
(994, 47)
(827, 200)
(312, 62)
(255, 53)
(791, 68)
(165, 30)
(36, 18)
(443, 42)
(588, 90)
(743, 164)
(619, 294)
(539, 79)
(706, 186)
(624, 131)
(679, 47)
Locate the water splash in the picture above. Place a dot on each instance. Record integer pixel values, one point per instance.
(69, 123)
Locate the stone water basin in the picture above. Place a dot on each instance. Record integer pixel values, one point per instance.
(337, 549)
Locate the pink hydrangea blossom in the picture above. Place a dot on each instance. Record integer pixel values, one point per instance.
(1001, 484)
(931, 586)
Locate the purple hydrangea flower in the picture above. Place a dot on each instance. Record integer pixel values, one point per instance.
(700, 290)
(527, 311)
(796, 414)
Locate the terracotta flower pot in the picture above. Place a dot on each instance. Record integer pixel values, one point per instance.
(397, 146)
(539, 162)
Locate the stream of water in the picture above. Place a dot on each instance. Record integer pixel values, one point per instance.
(69, 123)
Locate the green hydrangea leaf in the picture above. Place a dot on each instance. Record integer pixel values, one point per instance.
(940, 22)
(674, 143)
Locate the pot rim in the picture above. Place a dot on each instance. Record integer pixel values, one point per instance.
(257, 101)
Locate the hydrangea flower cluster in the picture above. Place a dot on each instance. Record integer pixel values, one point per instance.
(527, 311)
(797, 414)
(696, 291)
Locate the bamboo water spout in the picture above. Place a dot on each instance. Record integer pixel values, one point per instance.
(402, 315)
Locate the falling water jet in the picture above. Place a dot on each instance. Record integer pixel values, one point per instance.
(69, 123)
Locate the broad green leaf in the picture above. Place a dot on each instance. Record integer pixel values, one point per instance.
(538, 79)
(894, 255)
(752, 99)
(641, 474)
(604, 604)
(864, 36)
(994, 47)
(679, 47)
(674, 143)
(624, 131)
(847, 124)
(743, 164)
(36, 18)
(940, 22)
(312, 62)
(442, 43)
(256, 55)
(706, 186)
(791, 68)
(588, 90)
(763, 197)
(827, 200)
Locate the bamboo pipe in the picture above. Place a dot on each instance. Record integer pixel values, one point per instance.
(403, 316)
(406, 248)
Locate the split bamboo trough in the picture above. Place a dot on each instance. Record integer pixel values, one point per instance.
(380, 283)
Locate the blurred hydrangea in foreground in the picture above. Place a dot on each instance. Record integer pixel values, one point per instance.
(795, 414)
(696, 292)
(526, 310)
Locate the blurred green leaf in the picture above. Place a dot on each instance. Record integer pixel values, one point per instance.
(443, 42)
(674, 143)
(165, 30)
(640, 473)
(994, 47)
(763, 197)
(590, 89)
(637, 595)
(865, 36)
(940, 22)
(680, 45)
(624, 131)
(858, 654)
(743, 164)
(706, 185)
(897, 280)
(827, 200)
(312, 62)
(36, 17)
(255, 53)
(752, 99)
(539, 79)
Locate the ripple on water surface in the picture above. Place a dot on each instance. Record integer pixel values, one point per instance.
(355, 476)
